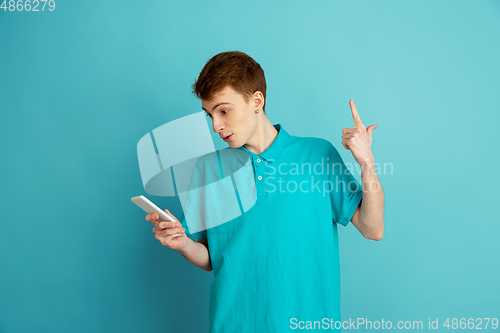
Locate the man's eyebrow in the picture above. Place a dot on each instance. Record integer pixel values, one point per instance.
(217, 105)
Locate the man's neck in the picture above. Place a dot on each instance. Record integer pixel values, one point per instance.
(263, 137)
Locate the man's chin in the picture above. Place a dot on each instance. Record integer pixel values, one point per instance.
(233, 144)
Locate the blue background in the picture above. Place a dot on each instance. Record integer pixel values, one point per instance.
(80, 86)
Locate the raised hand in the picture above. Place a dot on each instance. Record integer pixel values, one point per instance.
(358, 139)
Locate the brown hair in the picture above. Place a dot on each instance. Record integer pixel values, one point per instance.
(232, 68)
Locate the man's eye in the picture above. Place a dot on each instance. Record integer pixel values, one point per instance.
(223, 111)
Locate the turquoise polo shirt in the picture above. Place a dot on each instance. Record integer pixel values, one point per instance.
(276, 266)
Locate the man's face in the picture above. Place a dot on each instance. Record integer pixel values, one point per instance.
(232, 116)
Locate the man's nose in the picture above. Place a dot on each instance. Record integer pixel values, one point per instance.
(217, 124)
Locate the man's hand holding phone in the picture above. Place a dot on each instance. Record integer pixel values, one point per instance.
(170, 234)
(169, 231)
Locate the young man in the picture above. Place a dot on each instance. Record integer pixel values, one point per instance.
(276, 267)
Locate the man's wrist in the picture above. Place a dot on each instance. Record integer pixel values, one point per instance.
(368, 166)
(187, 246)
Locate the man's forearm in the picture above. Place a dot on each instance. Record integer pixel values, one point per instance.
(371, 214)
(197, 254)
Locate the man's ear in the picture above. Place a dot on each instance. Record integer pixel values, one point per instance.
(258, 99)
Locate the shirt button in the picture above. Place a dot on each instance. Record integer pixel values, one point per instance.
(258, 160)
(260, 177)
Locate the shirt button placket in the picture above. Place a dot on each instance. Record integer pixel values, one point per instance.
(260, 170)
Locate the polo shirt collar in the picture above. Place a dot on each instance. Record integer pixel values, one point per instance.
(272, 153)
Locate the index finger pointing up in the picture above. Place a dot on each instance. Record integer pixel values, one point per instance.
(355, 115)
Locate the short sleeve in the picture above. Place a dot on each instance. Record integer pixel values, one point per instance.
(193, 235)
(195, 181)
(346, 193)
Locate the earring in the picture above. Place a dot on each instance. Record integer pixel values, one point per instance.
(257, 111)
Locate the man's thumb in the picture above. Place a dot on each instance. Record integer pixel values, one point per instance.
(370, 129)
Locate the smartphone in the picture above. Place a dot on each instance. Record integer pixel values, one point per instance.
(151, 208)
